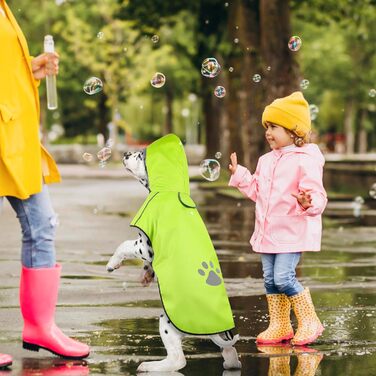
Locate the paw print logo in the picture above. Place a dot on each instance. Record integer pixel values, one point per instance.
(213, 278)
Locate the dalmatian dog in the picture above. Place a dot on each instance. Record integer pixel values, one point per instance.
(141, 248)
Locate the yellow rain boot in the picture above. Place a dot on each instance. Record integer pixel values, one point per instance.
(309, 325)
(280, 328)
(307, 362)
(279, 360)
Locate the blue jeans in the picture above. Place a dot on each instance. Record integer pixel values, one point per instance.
(279, 273)
(38, 222)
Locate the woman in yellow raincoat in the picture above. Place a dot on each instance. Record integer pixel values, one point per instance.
(25, 170)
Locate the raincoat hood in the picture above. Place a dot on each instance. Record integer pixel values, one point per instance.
(167, 166)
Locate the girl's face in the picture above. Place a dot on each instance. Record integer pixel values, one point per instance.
(277, 136)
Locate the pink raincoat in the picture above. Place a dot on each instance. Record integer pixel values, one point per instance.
(282, 225)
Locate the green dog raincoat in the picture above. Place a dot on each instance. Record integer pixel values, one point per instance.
(189, 277)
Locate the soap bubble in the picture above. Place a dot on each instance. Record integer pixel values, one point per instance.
(219, 91)
(295, 43)
(100, 35)
(372, 93)
(104, 154)
(210, 169)
(256, 78)
(236, 40)
(372, 191)
(93, 85)
(313, 110)
(231, 69)
(218, 155)
(155, 38)
(210, 67)
(87, 157)
(304, 84)
(359, 200)
(158, 80)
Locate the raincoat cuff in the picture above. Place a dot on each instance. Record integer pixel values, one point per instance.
(238, 176)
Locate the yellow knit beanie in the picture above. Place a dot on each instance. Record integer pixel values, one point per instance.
(291, 112)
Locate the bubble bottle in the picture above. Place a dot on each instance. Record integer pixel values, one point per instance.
(49, 47)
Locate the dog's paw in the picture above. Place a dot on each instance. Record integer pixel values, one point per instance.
(211, 274)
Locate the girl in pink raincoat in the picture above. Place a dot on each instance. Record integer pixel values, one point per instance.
(290, 198)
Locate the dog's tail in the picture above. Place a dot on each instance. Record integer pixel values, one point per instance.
(225, 339)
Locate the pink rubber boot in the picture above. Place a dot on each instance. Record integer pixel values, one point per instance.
(38, 297)
(5, 360)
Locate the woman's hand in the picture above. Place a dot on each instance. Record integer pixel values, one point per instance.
(304, 199)
(46, 64)
(234, 163)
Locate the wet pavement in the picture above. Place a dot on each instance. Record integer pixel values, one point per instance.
(118, 317)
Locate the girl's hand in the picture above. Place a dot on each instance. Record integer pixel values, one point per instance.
(46, 64)
(234, 163)
(304, 199)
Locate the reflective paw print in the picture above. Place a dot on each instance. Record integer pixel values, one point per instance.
(213, 278)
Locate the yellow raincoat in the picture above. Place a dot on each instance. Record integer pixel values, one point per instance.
(23, 160)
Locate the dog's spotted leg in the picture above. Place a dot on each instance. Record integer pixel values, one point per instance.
(171, 338)
(226, 341)
(131, 249)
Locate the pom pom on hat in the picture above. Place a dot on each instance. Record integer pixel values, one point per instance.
(291, 112)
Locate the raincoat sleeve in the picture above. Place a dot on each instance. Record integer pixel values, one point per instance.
(246, 182)
(311, 173)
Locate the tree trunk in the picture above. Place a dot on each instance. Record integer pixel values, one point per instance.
(362, 141)
(349, 127)
(168, 120)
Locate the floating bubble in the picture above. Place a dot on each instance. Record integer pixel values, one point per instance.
(304, 84)
(87, 157)
(226, 5)
(295, 43)
(256, 78)
(93, 85)
(313, 111)
(100, 35)
(236, 40)
(372, 191)
(210, 67)
(218, 155)
(158, 80)
(155, 38)
(372, 93)
(210, 169)
(231, 69)
(104, 154)
(219, 91)
(359, 200)
(269, 68)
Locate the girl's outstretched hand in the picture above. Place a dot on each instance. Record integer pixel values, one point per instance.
(234, 163)
(304, 199)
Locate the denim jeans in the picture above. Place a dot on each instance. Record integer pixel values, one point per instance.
(38, 222)
(279, 273)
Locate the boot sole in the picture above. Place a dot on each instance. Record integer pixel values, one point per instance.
(272, 341)
(5, 365)
(34, 347)
(309, 340)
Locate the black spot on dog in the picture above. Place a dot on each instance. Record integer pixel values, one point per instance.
(146, 267)
(166, 331)
(140, 251)
(150, 254)
(148, 243)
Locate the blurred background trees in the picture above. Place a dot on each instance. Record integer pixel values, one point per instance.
(113, 40)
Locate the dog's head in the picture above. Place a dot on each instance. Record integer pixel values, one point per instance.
(134, 163)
